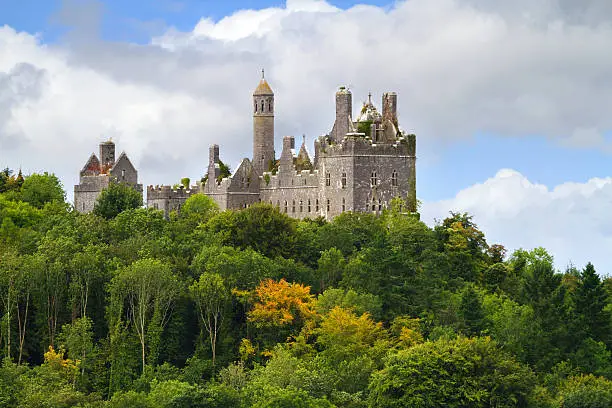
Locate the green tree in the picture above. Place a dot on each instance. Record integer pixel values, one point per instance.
(148, 289)
(116, 198)
(457, 373)
(586, 391)
(591, 300)
(471, 311)
(210, 294)
(39, 189)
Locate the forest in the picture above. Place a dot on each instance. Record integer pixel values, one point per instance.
(125, 308)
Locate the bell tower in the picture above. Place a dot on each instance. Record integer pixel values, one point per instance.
(263, 126)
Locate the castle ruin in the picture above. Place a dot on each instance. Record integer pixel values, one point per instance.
(360, 166)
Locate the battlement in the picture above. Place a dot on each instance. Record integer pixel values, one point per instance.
(168, 192)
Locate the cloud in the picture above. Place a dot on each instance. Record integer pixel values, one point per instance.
(570, 220)
(460, 67)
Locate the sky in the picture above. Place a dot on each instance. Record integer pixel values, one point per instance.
(510, 101)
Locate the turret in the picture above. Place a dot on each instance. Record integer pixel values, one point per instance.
(107, 154)
(344, 109)
(213, 163)
(263, 126)
(389, 106)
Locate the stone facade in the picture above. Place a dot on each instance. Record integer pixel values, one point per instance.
(97, 174)
(361, 165)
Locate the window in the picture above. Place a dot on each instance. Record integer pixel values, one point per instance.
(83, 206)
(373, 179)
(255, 106)
(394, 178)
(301, 206)
(327, 179)
(328, 205)
(317, 205)
(123, 174)
(343, 205)
(293, 207)
(308, 205)
(373, 205)
(269, 106)
(343, 180)
(262, 106)
(379, 204)
(285, 206)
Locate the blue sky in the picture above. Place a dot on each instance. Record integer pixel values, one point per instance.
(458, 164)
(505, 97)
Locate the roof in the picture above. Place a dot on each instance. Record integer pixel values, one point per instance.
(263, 88)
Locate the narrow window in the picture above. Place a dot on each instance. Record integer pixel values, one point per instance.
(327, 179)
(255, 106)
(285, 206)
(309, 205)
(269, 106)
(301, 206)
(343, 180)
(123, 174)
(293, 207)
(83, 206)
(262, 106)
(343, 205)
(373, 179)
(328, 205)
(317, 205)
(379, 204)
(394, 178)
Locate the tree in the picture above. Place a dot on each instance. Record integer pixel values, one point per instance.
(210, 294)
(591, 300)
(331, 265)
(116, 198)
(457, 373)
(39, 189)
(586, 391)
(198, 209)
(148, 288)
(471, 311)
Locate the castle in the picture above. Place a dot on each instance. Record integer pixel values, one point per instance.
(360, 166)
(98, 173)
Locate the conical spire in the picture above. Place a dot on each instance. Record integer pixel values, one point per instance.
(263, 88)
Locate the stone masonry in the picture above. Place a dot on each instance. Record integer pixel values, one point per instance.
(98, 173)
(360, 166)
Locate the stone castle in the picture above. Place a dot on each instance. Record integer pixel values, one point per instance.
(98, 173)
(360, 166)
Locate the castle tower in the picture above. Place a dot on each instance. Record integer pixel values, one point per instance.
(263, 126)
(344, 112)
(107, 154)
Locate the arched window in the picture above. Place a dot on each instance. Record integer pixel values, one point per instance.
(394, 178)
(309, 205)
(373, 179)
(269, 106)
(343, 205)
(373, 205)
(327, 179)
(301, 206)
(379, 204)
(262, 106)
(293, 207)
(317, 205)
(343, 180)
(285, 206)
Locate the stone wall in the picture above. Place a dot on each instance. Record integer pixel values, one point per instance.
(167, 199)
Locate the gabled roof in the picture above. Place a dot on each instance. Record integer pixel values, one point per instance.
(122, 157)
(92, 165)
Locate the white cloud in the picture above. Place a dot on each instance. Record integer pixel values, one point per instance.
(460, 67)
(571, 221)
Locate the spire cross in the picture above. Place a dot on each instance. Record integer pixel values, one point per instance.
(370, 97)
(263, 74)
